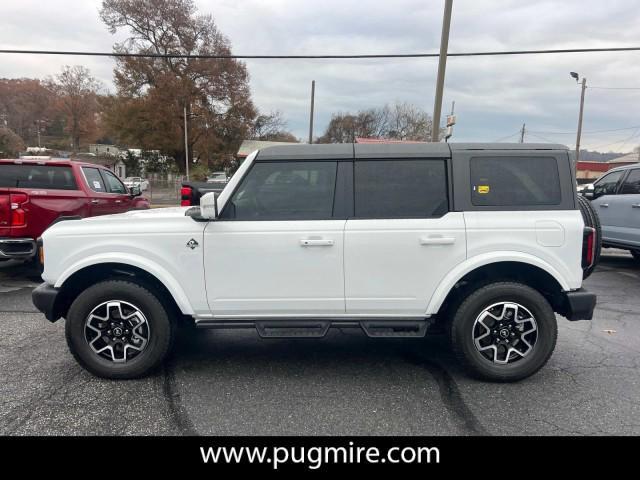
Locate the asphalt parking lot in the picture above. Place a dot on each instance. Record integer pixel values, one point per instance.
(233, 383)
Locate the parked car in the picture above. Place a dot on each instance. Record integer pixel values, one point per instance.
(143, 183)
(218, 177)
(616, 198)
(36, 193)
(485, 241)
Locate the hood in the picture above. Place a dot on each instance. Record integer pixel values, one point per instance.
(156, 220)
(154, 213)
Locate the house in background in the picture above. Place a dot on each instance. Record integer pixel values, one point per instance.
(588, 172)
(104, 149)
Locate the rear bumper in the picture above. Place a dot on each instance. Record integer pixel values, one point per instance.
(44, 298)
(17, 247)
(579, 304)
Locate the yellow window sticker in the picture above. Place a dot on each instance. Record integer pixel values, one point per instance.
(483, 189)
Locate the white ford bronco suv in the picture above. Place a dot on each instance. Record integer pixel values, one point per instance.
(483, 241)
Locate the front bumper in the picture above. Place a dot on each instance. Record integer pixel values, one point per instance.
(44, 298)
(579, 304)
(17, 248)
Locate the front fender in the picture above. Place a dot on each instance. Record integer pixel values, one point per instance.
(138, 261)
(473, 263)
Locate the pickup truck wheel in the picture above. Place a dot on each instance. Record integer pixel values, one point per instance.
(504, 332)
(118, 329)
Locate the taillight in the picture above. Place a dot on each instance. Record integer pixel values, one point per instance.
(588, 247)
(18, 218)
(185, 196)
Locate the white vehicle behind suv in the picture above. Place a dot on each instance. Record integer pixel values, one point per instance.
(484, 240)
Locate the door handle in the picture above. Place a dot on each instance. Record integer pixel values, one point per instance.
(635, 205)
(437, 240)
(604, 205)
(316, 242)
(95, 202)
(118, 201)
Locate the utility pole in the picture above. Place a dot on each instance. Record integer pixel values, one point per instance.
(313, 95)
(522, 133)
(442, 65)
(186, 143)
(584, 87)
(451, 121)
(38, 127)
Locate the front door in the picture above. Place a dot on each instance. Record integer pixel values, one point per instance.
(626, 216)
(608, 204)
(402, 239)
(120, 197)
(277, 248)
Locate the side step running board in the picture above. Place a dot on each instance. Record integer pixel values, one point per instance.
(318, 328)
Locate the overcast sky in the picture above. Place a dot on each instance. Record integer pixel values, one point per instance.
(493, 95)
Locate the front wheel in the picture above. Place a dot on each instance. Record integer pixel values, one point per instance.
(504, 332)
(118, 329)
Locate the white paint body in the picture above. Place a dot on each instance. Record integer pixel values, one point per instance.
(322, 268)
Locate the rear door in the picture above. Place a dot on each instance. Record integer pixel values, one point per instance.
(609, 205)
(402, 239)
(100, 199)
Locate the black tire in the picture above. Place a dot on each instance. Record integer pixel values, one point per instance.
(160, 338)
(464, 321)
(591, 219)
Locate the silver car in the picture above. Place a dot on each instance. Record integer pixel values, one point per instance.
(616, 198)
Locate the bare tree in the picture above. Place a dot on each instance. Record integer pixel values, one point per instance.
(77, 91)
(400, 121)
(271, 127)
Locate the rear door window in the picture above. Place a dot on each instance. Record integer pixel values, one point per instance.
(94, 179)
(415, 188)
(47, 177)
(514, 181)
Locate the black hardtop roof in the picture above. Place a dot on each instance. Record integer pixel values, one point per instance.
(390, 150)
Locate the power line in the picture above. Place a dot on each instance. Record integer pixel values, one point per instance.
(590, 131)
(615, 88)
(317, 57)
(508, 136)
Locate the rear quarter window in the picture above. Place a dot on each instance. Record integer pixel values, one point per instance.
(46, 177)
(514, 181)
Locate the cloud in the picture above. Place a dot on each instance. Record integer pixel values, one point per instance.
(494, 95)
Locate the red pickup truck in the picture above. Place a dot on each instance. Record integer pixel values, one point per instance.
(36, 193)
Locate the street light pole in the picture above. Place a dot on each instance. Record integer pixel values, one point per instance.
(584, 87)
(186, 144)
(442, 65)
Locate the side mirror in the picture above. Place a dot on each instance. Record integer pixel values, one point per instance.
(209, 206)
(589, 192)
(135, 191)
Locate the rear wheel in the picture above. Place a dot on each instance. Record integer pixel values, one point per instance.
(504, 332)
(118, 329)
